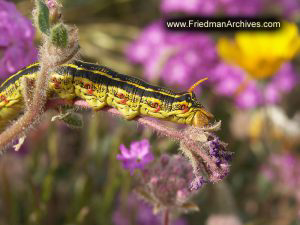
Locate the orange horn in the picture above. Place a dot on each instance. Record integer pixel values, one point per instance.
(196, 84)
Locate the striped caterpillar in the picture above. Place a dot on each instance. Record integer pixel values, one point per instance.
(99, 87)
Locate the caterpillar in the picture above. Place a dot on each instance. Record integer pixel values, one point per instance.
(100, 86)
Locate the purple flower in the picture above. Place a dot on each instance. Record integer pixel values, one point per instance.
(135, 211)
(233, 81)
(207, 7)
(227, 79)
(249, 97)
(198, 183)
(144, 47)
(241, 7)
(219, 154)
(16, 40)
(283, 82)
(283, 170)
(288, 7)
(166, 183)
(178, 58)
(137, 156)
(210, 7)
(229, 7)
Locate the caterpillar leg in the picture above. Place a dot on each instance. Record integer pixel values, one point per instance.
(91, 93)
(152, 112)
(128, 113)
(126, 103)
(96, 104)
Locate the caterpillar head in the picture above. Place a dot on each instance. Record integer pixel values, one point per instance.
(193, 112)
(201, 116)
(190, 111)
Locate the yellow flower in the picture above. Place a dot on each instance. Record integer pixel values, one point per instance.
(261, 53)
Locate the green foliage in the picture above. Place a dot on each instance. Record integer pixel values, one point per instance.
(43, 17)
(71, 119)
(59, 35)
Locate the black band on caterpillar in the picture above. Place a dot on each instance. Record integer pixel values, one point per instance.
(100, 87)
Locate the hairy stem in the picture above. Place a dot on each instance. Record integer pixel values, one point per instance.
(172, 133)
(36, 105)
(166, 217)
(30, 116)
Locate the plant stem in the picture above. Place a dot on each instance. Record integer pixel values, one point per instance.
(166, 217)
(30, 116)
(172, 133)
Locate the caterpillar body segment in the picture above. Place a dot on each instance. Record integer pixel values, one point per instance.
(99, 87)
(11, 97)
(62, 85)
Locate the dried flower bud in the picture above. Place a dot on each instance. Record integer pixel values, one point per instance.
(166, 184)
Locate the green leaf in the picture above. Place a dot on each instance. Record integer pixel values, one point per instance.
(59, 35)
(72, 119)
(43, 17)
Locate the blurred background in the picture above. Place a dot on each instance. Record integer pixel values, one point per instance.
(71, 176)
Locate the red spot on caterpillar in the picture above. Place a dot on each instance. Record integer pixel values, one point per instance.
(157, 109)
(121, 95)
(57, 85)
(156, 106)
(3, 98)
(123, 101)
(90, 91)
(87, 86)
(185, 108)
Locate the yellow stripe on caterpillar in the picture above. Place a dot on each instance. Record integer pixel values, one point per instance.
(99, 87)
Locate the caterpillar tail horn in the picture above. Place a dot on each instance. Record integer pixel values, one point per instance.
(191, 89)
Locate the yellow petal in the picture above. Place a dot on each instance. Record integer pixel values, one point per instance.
(261, 54)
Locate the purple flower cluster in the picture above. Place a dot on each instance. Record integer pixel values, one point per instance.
(198, 183)
(179, 59)
(233, 81)
(16, 40)
(288, 7)
(209, 7)
(137, 156)
(218, 153)
(284, 170)
(167, 182)
(228, 7)
(138, 212)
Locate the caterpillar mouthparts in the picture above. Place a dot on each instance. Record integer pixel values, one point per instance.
(202, 118)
